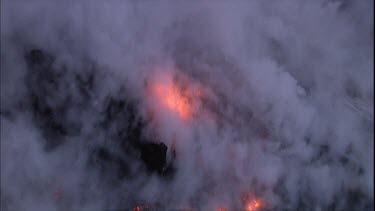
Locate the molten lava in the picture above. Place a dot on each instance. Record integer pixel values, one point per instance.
(251, 203)
(172, 95)
(141, 208)
(173, 98)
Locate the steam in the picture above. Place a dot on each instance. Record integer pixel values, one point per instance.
(286, 115)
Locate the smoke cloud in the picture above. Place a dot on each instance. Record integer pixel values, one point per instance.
(209, 105)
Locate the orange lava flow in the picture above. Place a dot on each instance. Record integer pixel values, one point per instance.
(170, 93)
(141, 208)
(251, 203)
(172, 97)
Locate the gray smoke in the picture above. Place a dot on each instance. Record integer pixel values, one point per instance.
(287, 115)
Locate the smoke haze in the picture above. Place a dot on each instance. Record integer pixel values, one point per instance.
(279, 98)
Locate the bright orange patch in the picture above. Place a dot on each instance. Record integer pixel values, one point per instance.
(172, 96)
(251, 203)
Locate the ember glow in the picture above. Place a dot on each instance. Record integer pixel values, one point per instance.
(172, 97)
(196, 106)
(180, 97)
(141, 208)
(251, 203)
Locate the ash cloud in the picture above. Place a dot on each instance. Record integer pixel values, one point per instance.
(287, 114)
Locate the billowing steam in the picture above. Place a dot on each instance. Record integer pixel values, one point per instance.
(189, 105)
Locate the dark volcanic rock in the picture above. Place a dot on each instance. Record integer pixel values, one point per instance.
(154, 156)
(55, 92)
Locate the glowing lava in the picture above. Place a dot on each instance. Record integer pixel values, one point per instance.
(140, 208)
(173, 98)
(171, 94)
(251, 203)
